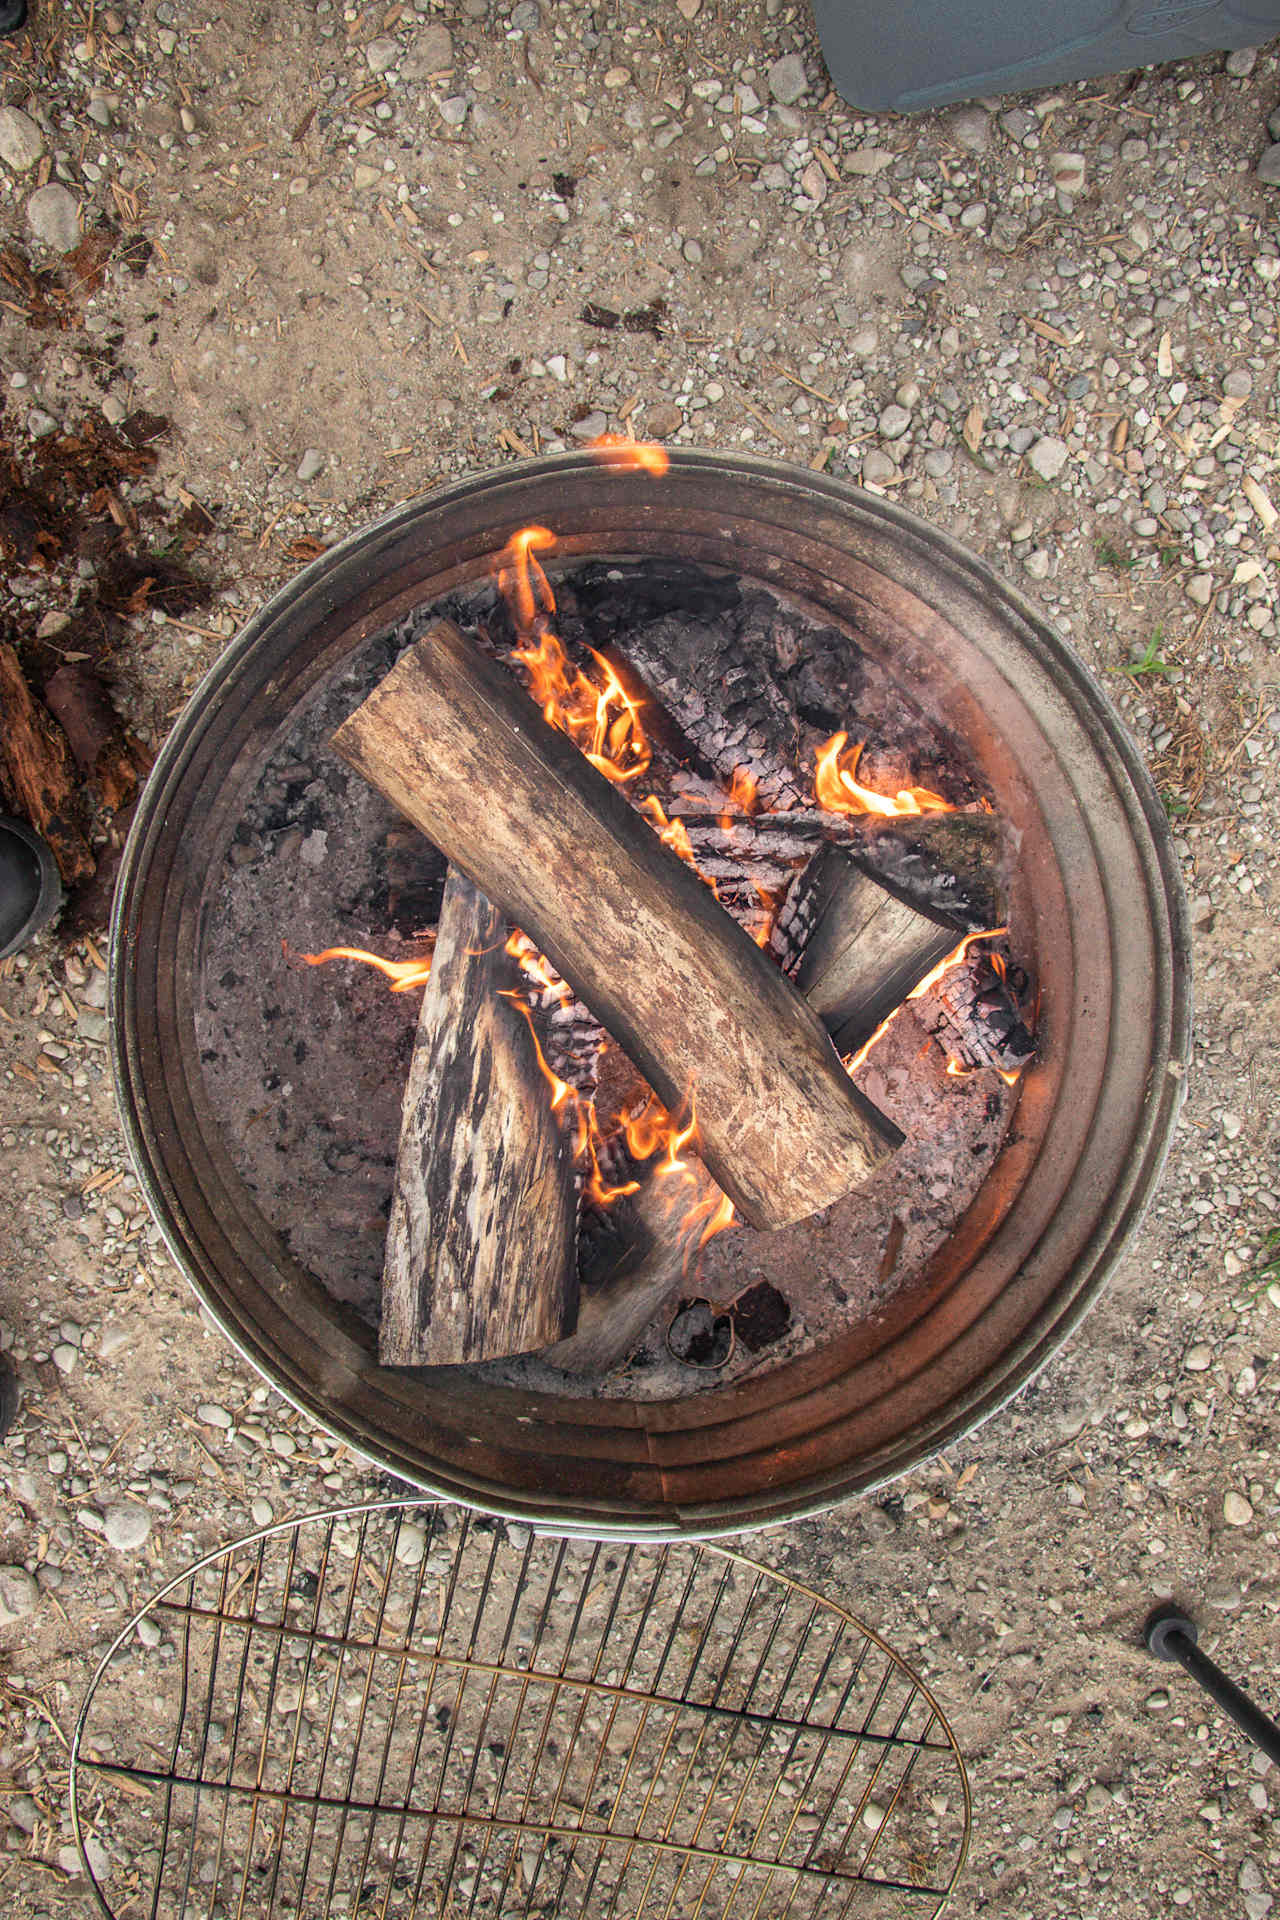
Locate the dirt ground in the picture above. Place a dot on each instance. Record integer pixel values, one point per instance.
(332, 258)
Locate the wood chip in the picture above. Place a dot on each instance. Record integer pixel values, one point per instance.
(974, 421)
(1260, 502)
(1164, 357)
(1054, 334)
(970, 1473)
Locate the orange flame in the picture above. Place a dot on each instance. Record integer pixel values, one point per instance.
(602, 719)
(673, 833)
(537, 967)
(615, 450)
(839, 792)
(403, 974)
(931, 979)
(744, 791)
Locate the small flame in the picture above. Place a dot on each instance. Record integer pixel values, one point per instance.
(839, 792)
(744, 791)
(615, 450)
(673, 833)
(403, 974)
(537, 968)
(600, 717)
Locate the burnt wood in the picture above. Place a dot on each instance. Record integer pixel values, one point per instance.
(113, 763)
(39, 779)
(451, 739)
(864, 946)
(481, 1245)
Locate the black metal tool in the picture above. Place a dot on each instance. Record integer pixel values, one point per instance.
(1172, 1636)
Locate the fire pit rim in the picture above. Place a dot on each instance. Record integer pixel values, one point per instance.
(932, 552)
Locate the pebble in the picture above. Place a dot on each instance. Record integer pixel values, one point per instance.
(40, 424)
(663, 420)
(1067, 171)
(214, 1416)
(53, 215)
(167, 41)
(877, 468)
(411, 1544)
(433, 47)
(590, 427)
(364, 176)
(382, 54)
(455, 109)
(262, 1511)
(864, 342)
(1241, 62)
(112, 1338)
(1238, 384)
(1231, 1125)
(1236, 1510)
(19, 1594)
(126, 1526)
(65, 1356)
(969, 128)
(1268, 168)
(311, 464)
(148, 1632)
(1200, 589)
(23, 1812)
(866, 162)
(1048, 457)
(21, 141)
(114, 411)
(526, 17)
(788, 81)
(1097, 1799)
(1198, 1359)
(893, 422)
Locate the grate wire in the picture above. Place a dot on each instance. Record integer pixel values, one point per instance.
(413, 1712)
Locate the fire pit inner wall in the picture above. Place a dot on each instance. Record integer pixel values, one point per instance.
(1094, 897)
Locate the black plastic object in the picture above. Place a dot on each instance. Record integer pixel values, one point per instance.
(925, 53)
(30, 890)
(1170, 1635)
(13, 16)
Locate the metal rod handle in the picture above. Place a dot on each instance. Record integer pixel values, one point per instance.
(1172, 1636)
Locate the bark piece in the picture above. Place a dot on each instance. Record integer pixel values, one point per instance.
(481, 1245)
(38, 776)
(451, 739)
(864, 946)
(112, 763)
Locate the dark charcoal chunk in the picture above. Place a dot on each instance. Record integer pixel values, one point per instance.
(761, 1316)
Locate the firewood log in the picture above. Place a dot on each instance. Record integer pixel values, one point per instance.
(39, 780)
(451, 739)
(481, 1246)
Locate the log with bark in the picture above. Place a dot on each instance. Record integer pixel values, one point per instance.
(481, 1245)
(451, 739)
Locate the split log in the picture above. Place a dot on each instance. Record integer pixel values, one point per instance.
(481, 1246)
(451, 739)
(864, 946)
(38, 776)
(613, 1315)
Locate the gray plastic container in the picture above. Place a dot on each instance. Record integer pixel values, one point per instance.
(916, 54)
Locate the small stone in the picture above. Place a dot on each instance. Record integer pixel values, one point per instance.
(40, 424)
(167, 41)
(1156, 1701)
(814, 183)
(19, 1594)
(432, 50)
(1268, 168)
(692, 251)
(21, 141)
(866, 162)
(1097, 1799)
(1238, 384)
(663, 420)
(1273, 123)
(688, 9)
(64, 1357)
(873, 1816)
(526, 17)
(23, 1812)
(1258, 1905)
(311, 464)
(617, 77)
(382, 54)
(1267, 267)
(1231, 1125)
(114, 411)
(1037, 564)
(1236, 1510)
(968, 128)
(53, 215)
(1048, 457)
(214, 1416)
(411, 1544)
(590, 427)
(1067, 171)
(112, 1339)
(877, 468)
(126, 1526)
(365, 176)
(893, 422)
(1241, 61)
(938, 462)
(454, 110)
(788, 81)
(864, 342)
(262, 1511)
(1198, 1359)
(1200, 589)
(148, 1632)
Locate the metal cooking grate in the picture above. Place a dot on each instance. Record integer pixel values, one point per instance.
(403, 1710)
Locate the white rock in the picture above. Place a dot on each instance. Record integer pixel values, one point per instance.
(866, 162)
(1231, 1125)
(1200, 589)
(263, 1512)
(64, 1357)
(53, 215)
(382, 54)
(311, 464)
(788, 81)
(126, 1526)
(1048, 457)
(19, 1594)
(1067, 171)
(1198, 1359)
(411, 1544)
(1236, 1510)
(21, 141)
(214, 1416)
(893, 422)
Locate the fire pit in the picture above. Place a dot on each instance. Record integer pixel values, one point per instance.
(867, 1335)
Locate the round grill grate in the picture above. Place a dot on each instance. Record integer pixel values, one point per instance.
(404, 1710)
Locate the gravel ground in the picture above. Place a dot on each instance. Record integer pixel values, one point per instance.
(349, 256)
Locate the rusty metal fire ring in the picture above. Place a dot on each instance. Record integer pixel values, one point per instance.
(1096, 899)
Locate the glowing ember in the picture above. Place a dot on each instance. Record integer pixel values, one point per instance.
(949, 960)
(614, 450)
(403, 974)
(839, 792)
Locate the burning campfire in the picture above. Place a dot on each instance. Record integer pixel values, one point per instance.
(660, 969)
